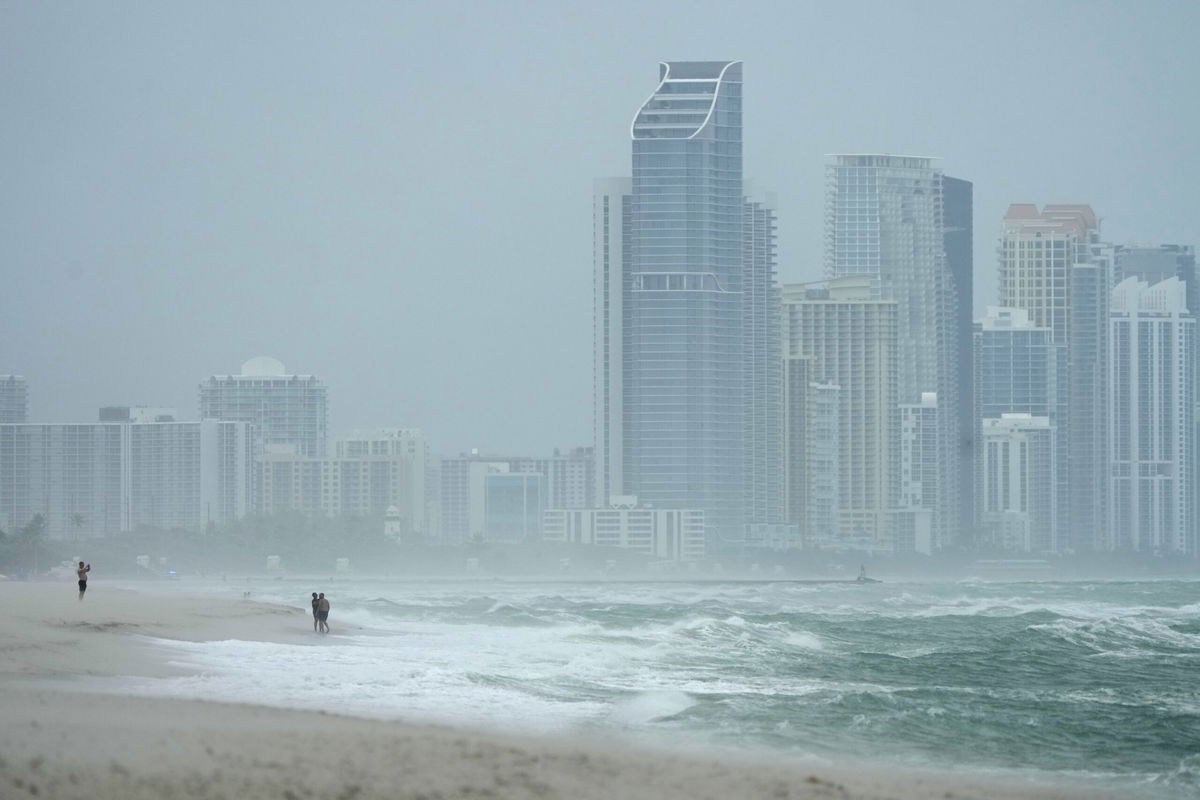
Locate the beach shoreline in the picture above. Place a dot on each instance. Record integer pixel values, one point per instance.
(63, 739)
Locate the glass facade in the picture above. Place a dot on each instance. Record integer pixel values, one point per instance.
(688, 372)
(886, 220)
(684, 402)
(513, 505)
(1019, 370)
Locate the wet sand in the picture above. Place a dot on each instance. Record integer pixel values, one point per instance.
(59, 741)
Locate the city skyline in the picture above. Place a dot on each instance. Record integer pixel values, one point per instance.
(164, 240)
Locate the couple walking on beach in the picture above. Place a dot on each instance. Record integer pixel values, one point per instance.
(320, 607)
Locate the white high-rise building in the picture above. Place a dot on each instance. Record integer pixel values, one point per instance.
(1151, 441)
(287, 411)
(849, 340)
(103, 478)
(1016, 498)
(812, 452)
(611, 209)
(918, 472)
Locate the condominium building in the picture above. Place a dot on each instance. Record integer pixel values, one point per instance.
(371, 472)
(849, 337)
(688, 385)
(1154, 263)
(918, 472)
(512, 506)
(612, 204)
(1020, 370)
(569, 482)
(1017, 501)
(668, 534)
(1037, 251)
(1151, 441)
(286, 410)
(1054, 266)
(570, 476)
(886, 219)
(763, 445)
(104, 478)
(412, 445)
(14, 399)
(958, 237)
(812, 451)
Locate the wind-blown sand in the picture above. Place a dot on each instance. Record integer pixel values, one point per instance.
(59, 742)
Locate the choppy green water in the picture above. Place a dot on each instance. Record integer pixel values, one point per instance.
(1085, 681)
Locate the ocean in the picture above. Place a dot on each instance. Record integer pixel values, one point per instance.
(1084, 682)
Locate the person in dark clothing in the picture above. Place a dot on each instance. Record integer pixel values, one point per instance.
(315, 602)
(323, 613)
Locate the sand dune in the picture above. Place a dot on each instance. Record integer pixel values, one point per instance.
(59, 742)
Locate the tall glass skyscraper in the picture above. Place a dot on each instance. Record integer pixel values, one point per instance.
(1053, 265)
(885, 219)
(688, 388)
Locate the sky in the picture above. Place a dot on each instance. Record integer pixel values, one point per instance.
(397, 196)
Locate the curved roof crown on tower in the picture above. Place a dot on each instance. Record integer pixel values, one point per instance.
(683, 102)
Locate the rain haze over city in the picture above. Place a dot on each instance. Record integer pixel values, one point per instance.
(761, 400)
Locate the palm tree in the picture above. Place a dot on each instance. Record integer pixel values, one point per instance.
(77, 522)
(32, 535)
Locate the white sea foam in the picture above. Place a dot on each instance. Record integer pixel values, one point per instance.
(652, 706)
(740, 664)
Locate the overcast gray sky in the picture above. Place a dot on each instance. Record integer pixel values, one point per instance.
(396, 196)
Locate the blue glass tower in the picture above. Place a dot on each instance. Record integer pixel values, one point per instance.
(685, 362)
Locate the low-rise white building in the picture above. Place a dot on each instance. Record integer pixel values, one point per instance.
(670, 534)
(1017, 501)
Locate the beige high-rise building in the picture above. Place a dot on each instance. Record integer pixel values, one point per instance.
(1037, 251)
(850, 341)
(373, 473)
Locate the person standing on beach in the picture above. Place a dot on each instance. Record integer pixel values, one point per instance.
(323, 613)
(82, 572)
(316, 614)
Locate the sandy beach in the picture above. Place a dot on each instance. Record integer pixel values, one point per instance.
(59, 741)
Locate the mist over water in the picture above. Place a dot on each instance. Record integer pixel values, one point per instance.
(1086, 681)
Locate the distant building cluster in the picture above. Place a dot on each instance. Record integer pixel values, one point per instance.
(260, 447)
(868, 411)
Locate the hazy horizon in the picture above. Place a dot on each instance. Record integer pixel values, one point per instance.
(398, 197)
